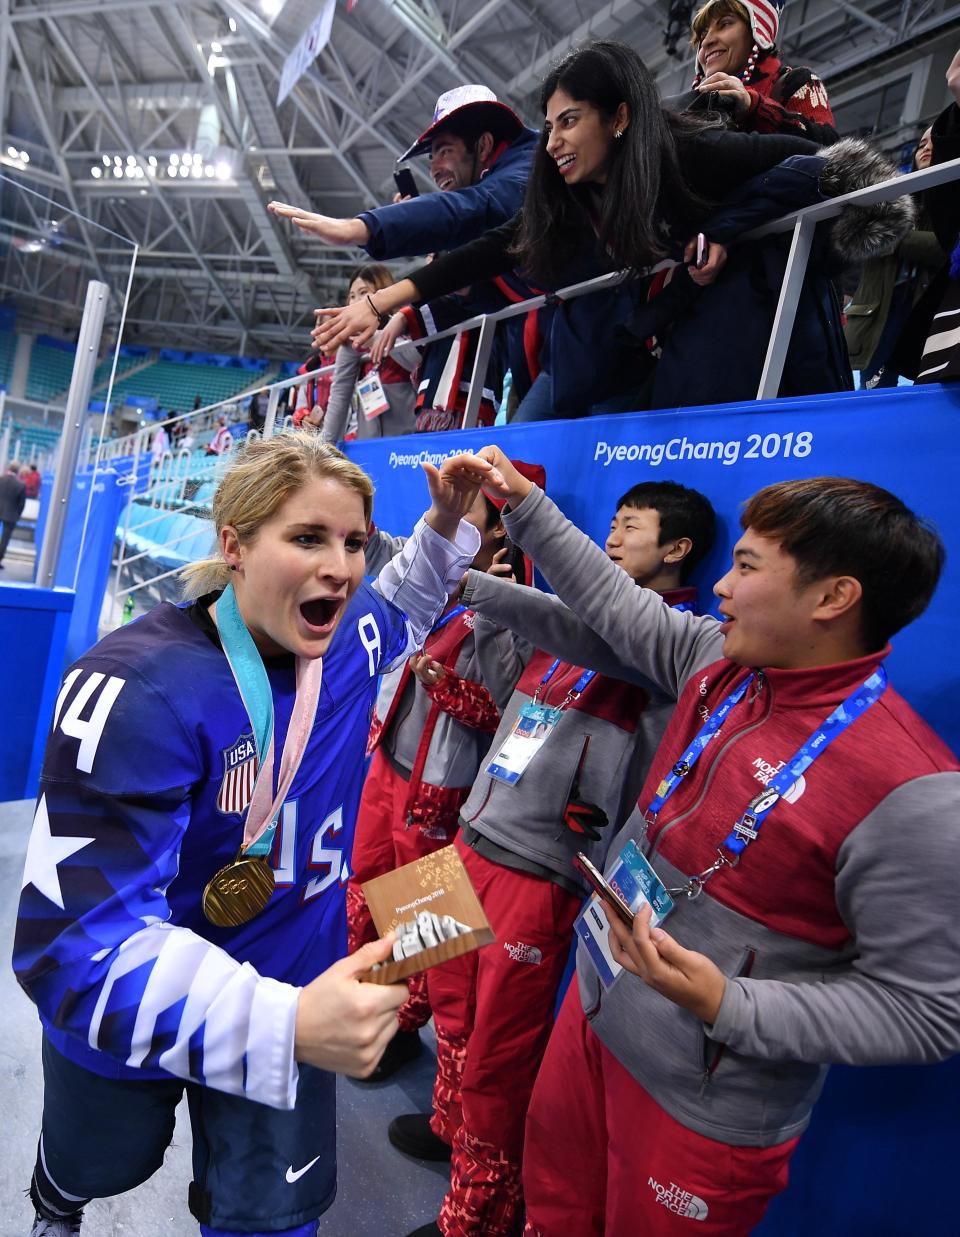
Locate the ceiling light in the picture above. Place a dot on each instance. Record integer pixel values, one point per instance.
(152, 171)
(152, 160)
(208, 170)
(216, 47)
(196, 170)
(233, 25)
(96, 172)
(271, 7)
(131, 160)
(24, 156)
(12, 152)
(117, 161)
(184, 170)
(106, 160)
(118, 171)
(174, 160)
(144, 192)
(223, 170)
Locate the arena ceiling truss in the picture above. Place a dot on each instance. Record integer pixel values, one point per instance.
(159, 122)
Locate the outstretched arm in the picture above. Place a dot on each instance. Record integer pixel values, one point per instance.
(663, 646)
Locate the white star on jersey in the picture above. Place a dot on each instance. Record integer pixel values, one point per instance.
(44, 853)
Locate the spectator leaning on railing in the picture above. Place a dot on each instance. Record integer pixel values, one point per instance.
(889, 287)
(739, 72)
(480, 156)
(620, 182)
(928, 347)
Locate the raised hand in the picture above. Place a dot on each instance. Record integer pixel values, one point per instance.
(513, 486)
(354, 324)
(454, 487)
(331, 231)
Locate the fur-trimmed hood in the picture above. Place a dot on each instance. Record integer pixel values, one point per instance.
(863, 232)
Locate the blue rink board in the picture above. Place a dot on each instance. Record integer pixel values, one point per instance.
(906, 439)
(880, 1156)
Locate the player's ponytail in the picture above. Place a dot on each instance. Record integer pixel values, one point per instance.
(264, 475)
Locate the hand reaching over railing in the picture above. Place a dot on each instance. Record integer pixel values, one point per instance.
(324, 227)
(356, 323)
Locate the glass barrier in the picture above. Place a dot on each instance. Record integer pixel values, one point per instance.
(66, 281)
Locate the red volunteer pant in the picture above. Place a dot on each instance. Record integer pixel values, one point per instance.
(603, 1159)
(382, 842)
(493, 1010)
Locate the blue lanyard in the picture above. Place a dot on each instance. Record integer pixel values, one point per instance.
(843, 716)
(248, 669)
(747, 828)
(574, 693)
(447, 618)
(700, 740)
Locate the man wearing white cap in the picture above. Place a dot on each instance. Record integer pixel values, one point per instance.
(478, 148)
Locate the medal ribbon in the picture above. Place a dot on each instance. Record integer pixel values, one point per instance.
(253, 684)
(747, 828)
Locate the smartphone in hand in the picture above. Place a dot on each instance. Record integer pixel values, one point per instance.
(406, 185)
(601, 886)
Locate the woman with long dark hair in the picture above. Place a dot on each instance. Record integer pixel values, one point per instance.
(619, 182)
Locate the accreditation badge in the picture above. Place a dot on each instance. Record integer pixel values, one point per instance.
(373, 399)
(635, 880)
(534, 725)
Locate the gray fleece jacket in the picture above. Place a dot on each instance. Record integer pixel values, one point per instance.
(839, 929)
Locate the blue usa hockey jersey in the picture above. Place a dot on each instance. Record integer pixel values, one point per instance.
(149, 767)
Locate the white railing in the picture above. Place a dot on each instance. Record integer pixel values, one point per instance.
(168, 488)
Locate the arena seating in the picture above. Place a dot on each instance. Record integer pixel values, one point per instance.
(174, 385)
(34, 439)
(51, 366)
(8, 345)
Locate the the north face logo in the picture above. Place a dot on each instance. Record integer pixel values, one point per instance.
(524, 953)
(681, 1202)
(765, 772)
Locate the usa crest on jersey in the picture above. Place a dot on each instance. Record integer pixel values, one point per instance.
(239, 774)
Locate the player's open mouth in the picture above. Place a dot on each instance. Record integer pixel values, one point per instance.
(321, 612)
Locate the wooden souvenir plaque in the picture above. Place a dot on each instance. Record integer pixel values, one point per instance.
(438, 883)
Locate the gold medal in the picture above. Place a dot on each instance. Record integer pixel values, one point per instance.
(238, 892)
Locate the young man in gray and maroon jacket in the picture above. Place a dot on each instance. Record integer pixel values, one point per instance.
(678, 1086)
(519, 833)
(431, 728)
